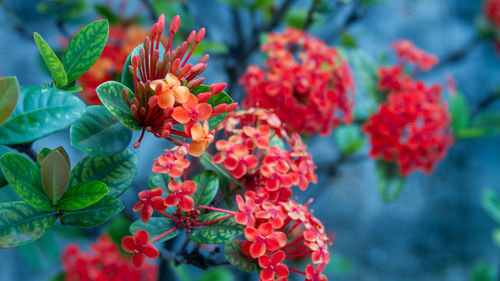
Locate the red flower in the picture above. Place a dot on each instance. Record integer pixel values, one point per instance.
(263, 239)
(192, 111)
(272, 266)
(313, 274)
(139, 245)
(246, 208)
(149, 200)
(173, 162)
(235, 156)
(491, 11)
(406, 50)
(179, 195)
(273, 213)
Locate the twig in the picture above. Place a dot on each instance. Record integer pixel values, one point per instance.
(459, 53)
(25, 148)
(310, 14)
(486, 102)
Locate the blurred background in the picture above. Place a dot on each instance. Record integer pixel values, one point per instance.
(436, 229)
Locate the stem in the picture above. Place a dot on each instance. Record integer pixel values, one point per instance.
(299, 254)
(296, 271)
(163, 234)
(215, 220)
(168, 216)
(217, 210)
(296, 241)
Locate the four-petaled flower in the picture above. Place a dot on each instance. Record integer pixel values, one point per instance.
(313, 274)
(245, 214)
(202, 137)
(263, 239)
(179, 195)
(272, 266)
(173, 162)
(169, 91)
(149, 200)
(192, 111)
(139, 245)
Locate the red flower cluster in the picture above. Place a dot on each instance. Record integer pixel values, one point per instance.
(412, 127)
(103, 262)
(121, 41)
(491, 11)
(276, 232)
(261, 166)
(407, 51)
(317, 86)
(163, 85)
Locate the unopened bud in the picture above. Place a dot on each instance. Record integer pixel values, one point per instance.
(174, 25)
(217, 88)
(200, 35)
(204, 97)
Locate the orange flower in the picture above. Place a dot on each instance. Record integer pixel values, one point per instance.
(170, 91)
(192, 111)
(201, 139)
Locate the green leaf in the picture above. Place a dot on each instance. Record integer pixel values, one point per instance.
(82, 195)
(347, 41)
(117, 228)
(58, 277)
(483, 272)
(24, 178)
(85, 48)
(490, 203)
(488, 122)
(52, 61)
(39, 113)
(116, 171)
(156, 227)
(296, 17)
(159, 180)
(390, 181)
(348, 139)
(94, 214)
(224, 176)
(496, 236)
(21, 223)
(9, 93)
(3, 180)
(217, 274)
(211, 47)
(459, 110)
(55, 173)
(218, 232)
(98, 133)
(214, 100)
(107, 13)
(207, 185)
(234, 255)
(110, 94)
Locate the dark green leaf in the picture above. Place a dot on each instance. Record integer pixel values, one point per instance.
(9, 93)
(234, 255)
(3, 180)
(94, 214)
(391, 182)
(55, 173)
(82, 195)
(52, 61)
(85, 48)
(110, 94)
(98, 133)
(39, 113)
(207, 185)
(214, 100)
(156, 227)
(24, 178)
(459, 110)
(490, 202)
(20, 223)
(218, 232)
(116, 171)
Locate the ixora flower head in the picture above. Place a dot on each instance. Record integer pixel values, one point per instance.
(412, 126)
(302, 77)
(163, 94)
(104, 261)
(256, 155)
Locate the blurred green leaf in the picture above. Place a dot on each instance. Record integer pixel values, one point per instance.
(496, 236)
(390, 181)
(348, 41)
(459, 110)
(296, 17)
(348, 139)
(217, 274)
(483, 272)
(107, 13)
(117, 228)
(490, 203)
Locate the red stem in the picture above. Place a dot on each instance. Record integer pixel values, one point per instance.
(296, 271)
(298, 240)
(299, 254)
(293, 227)
(163, 234)
(168, 216)
(217, 210)
(212, 221)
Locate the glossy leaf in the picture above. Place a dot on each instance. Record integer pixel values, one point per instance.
(218, 232)
(224, 176)
(110, 94)
(9, 93)
(85, 48)
(94, 214)
(55, 171)
(98, 133)
(207, 185)
(55, 66)
(234, 255)
(390, 181)
(214, 100)
(116, 171)
(155, 227)
(24, 178)
(82, 195)
(39, 113)
(20, 223)
(158, 180)
(3, 180)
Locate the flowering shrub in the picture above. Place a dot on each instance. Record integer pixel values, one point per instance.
(103, 261)
(302, 77)
(412, 127)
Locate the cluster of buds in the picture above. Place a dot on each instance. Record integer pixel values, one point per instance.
(163, 87)
(260, 166)
(279, 231)
(412, 127)
(302, 77)
(121, 41)
(104, 261)
(406, 51)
